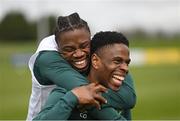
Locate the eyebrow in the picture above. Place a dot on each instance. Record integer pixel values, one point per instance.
(117, 57)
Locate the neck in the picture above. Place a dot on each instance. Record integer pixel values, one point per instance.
(92, 76)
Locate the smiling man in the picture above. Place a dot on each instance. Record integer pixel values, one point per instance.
(74, 46)
(109, 66)
(62, 60)
(110, 59)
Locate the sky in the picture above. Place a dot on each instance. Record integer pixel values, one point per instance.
(151, 15)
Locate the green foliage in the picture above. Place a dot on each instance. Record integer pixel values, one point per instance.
(52, 24)
(14, 26)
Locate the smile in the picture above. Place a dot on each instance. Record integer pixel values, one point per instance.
(118, 77)
(80, 64)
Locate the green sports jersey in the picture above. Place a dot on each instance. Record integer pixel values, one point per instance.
(51, 68)
(62, 105)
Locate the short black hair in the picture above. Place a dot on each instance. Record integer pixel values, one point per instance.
(70, 22)
(107, 38)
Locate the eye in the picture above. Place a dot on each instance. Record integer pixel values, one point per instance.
(85, 45)
(121, 61)
(118, 61)
(68, 49)
(128, 61)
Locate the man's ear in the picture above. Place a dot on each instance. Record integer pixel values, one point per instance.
(95, 61)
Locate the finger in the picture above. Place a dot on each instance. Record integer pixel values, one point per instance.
(100, 99)
(94, 84)
(96, 87)
(100, 88)
(97, 104)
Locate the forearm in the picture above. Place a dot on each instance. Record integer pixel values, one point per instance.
(67, 79)
(61, 73)
(58, 106)
(58, 71)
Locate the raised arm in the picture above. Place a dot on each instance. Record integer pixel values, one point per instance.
(52, 68)
(58, 106)
(61, 103)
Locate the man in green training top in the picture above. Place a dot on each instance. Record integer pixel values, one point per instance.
(52, 64)
(109, 66)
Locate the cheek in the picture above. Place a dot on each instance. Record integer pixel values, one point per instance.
(109, 67)
(107, 72)
(87, 50)
(67, 56)
(87, 53)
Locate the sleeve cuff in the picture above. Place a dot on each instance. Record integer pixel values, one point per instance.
(71, 99)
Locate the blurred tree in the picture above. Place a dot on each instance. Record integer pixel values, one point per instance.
(14, 26)
(52, 24)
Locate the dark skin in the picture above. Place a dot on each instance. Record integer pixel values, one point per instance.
(74, 46)
(110, 65)
(90, 94)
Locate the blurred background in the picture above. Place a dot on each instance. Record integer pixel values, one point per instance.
(152, 27)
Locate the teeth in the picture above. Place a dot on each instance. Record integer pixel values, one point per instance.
(118, 77)
(80, 62)
(121, 78)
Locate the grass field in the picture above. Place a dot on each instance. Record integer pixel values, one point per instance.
(158, 92)
(158, 87)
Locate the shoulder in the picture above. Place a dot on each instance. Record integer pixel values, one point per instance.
(48, 54)
(48, 43)
(48, 58)
(45, 56)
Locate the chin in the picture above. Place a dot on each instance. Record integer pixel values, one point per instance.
(114, 88)
(82, 69)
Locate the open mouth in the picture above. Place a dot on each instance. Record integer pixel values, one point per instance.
(117, 80)
(118, 77)
(80, 64)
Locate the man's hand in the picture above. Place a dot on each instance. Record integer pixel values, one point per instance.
(90, 94)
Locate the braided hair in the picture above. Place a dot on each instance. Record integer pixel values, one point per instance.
(68, 23)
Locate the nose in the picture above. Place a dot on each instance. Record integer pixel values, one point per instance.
(78, 53)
